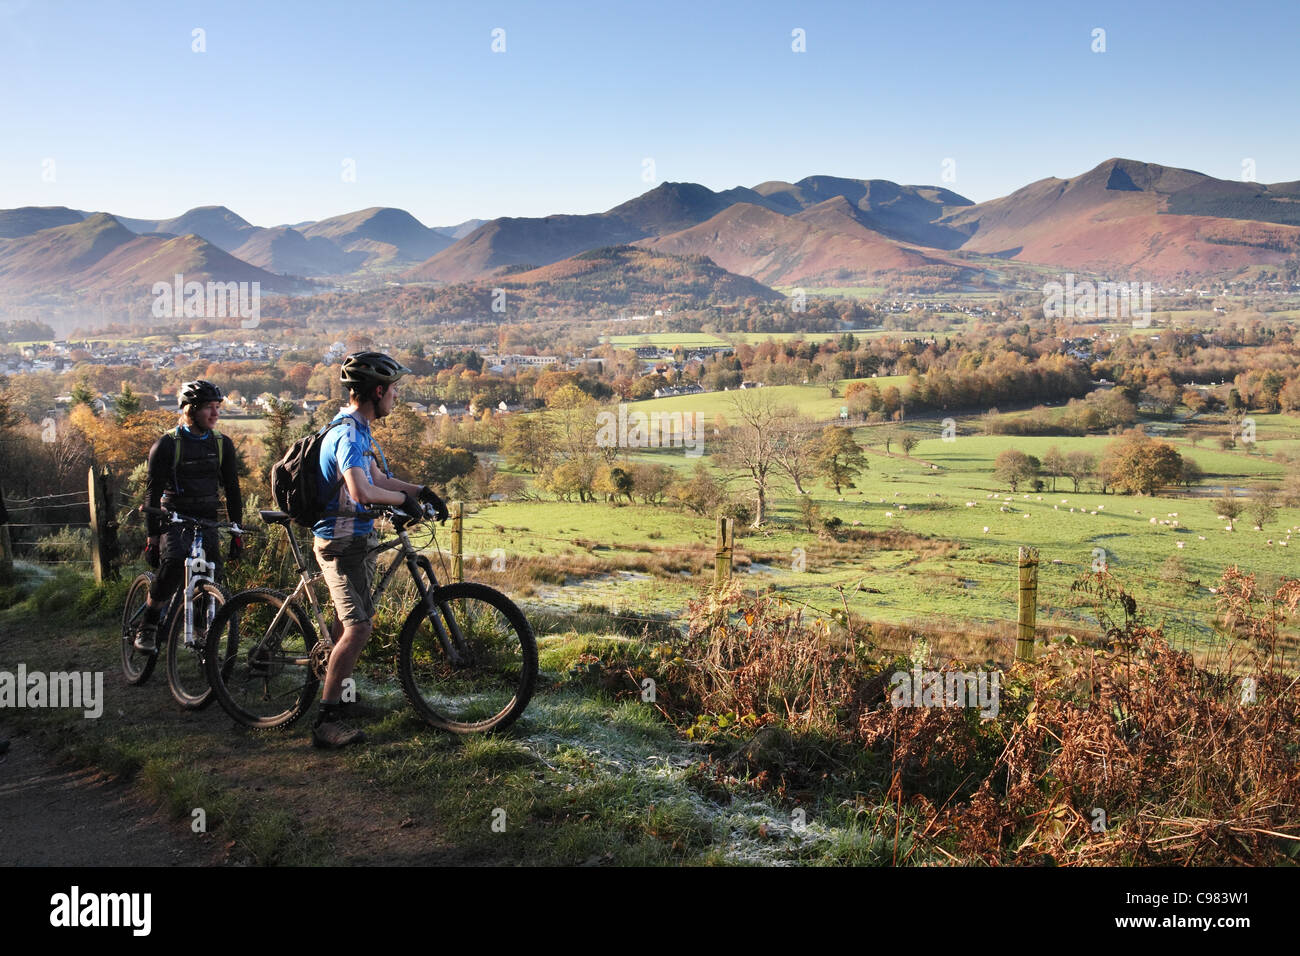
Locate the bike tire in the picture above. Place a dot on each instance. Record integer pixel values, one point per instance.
(270, 688)
(186, 671)
(136, 665)
(491, 691)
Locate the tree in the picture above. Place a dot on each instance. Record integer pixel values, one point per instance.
(652, 482)
(529, 442)
(127, 402)
(81, 393)
(1263, 505)
(1191, 474)
(838, 457)
(751, 442)
(701, 493)
(1227, 443)
(1054, 464)
(1014, 466)
(795, 449)
(1230, 507)
(1079, 465)
(908, 440)
(1138, 464)
(279, 433)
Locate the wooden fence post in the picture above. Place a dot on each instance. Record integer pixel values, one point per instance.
(103, 524)
(6, 546)
(457, 541)
(1028, 604)
(722, 553)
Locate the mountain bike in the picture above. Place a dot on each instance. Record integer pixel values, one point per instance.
(185, 621)
(467, 658)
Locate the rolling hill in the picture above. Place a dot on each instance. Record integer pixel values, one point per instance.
(1126, 217)
(100, 255)
(823, 245)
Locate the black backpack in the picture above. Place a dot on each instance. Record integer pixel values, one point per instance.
(295, 479)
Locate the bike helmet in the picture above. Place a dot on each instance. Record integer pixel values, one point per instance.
(362, 370)
(196, 393)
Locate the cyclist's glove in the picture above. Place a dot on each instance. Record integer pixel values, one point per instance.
(412, 507)
(430, 496)
(151, 556)
(236, 546)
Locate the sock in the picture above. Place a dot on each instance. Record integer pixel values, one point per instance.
(328, 713)
(152, 613)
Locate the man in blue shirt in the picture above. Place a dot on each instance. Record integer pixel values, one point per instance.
(344, 540)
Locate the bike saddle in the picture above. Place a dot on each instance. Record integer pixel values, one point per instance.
(275, 517)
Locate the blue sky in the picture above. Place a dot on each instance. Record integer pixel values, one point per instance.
(139, 124)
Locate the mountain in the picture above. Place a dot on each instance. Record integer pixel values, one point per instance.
(823, 245)
(99, 254)
(506, 242)
(384, 234)
(288, 252)
(217, 224)
(1128, 217)
(28, 219)
(627, 275)
(459, 231)
(906, 213)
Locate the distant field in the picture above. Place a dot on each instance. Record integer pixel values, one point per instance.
(957, 502)
(666, 340)
(811, 400)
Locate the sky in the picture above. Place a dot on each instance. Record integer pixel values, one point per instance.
(295, 111)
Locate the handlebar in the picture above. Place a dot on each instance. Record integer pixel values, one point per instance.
(177, 518)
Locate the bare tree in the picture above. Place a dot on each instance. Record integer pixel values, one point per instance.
(795, 447)
(752, 441)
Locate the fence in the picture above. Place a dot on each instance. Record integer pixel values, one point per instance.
(94, 509)
(1045, 601)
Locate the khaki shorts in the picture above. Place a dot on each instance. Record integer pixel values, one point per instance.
(348, 565)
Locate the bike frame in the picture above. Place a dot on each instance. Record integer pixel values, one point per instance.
(198, 570)
(452, 641)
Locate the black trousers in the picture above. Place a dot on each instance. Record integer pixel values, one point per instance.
(173, 550)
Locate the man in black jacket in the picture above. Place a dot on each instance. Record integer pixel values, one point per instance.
(188, 466)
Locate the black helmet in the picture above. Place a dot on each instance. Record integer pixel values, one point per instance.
(362, 370)
(196, 393)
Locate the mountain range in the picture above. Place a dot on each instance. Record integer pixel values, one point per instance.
(1123, 219)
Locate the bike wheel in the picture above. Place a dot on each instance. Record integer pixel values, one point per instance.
(257, 659)
(492, 686)
(136, 665)
(186, 673)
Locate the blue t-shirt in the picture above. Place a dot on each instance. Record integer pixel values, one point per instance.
(346, 446)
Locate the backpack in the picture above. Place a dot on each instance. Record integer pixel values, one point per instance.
(295, 479)
(176, 447)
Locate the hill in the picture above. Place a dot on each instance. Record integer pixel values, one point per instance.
(824, 245)
(1130, 217)
(385, 235)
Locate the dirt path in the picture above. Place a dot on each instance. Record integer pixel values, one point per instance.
(56, 815)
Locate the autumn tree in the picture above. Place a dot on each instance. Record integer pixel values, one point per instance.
(1230, 507)
(838, 457)
(1137, 464)
(1014, 466)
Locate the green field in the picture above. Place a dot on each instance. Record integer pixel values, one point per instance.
(665, 340)
(811, 400)
(960, 567)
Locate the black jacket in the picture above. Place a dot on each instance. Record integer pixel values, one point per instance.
(191, 487)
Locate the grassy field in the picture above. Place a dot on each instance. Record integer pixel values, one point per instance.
(666, 340)
(813, 401)
(944, 542)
